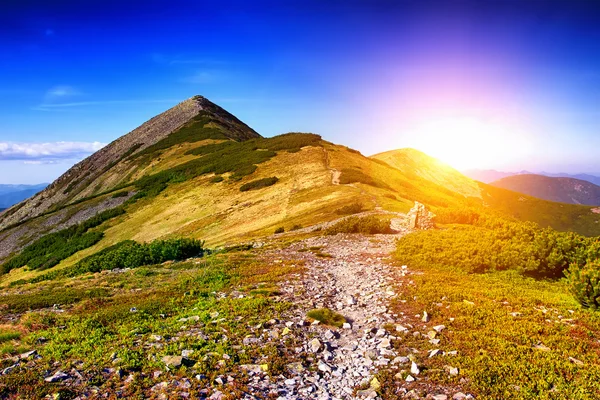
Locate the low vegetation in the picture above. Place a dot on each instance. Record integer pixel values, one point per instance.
(353, 208)
(240, 159)
(134, 321)
(50, 249)
(515, 321)
(193, 131)
(369, 225)
(516, 337)
(259, 184)
(327, 317)
(129, 254)
(493, 243)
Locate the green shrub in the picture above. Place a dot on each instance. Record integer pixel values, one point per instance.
(279, 230)
(353, 208)
(463, 215)
(497, 244)
(217, 179)
(327, 317)
(585, 283)
(369, 225)
(259, 184)
(123, 193)
(131, 254)
(238, 158)
(51, 249)
(296, 227)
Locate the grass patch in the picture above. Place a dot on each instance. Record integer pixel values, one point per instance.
(494, 321)
(259, 184)
(142, 322)
(327, 317)
(7, 336)
(123, 193)
(46, 298)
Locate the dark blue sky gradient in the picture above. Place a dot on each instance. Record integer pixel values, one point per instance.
(362, 73)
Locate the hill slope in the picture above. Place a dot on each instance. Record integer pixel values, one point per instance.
(215, 179)
(202, 119)
(562, 190)
(413, 162)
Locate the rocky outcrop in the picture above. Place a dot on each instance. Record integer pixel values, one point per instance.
(419, 217)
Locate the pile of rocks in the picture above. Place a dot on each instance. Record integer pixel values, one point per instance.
(419, 217)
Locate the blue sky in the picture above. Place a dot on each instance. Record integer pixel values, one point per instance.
(492, 84)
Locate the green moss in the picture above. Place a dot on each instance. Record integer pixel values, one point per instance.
(327, 317)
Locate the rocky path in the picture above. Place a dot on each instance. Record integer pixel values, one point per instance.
(350, 275)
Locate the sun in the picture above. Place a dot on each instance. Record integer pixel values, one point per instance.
(466, 142)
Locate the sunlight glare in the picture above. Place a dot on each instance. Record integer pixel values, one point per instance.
(469, 142)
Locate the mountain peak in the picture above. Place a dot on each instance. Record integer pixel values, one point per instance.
(191, 120)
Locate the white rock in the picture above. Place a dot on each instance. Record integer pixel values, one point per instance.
(434, 353)
(414, 369)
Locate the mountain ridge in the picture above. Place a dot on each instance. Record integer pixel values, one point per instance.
(193, 183)
(557, 189)
(491, 175)
(13, 194)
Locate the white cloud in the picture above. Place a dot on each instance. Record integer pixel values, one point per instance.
(47, 152)
(61, 92)
(56, 106)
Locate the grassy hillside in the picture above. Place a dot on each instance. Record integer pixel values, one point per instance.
(412, 162)
(561, 190)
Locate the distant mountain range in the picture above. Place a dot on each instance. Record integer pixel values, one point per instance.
(13, 194)
(558, 189)
(490, 175)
